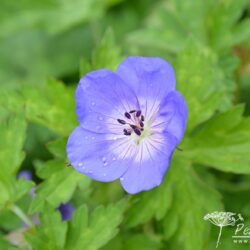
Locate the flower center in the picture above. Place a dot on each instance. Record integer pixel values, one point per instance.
(133, 123)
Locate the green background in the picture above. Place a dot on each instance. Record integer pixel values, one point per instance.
(46, 45)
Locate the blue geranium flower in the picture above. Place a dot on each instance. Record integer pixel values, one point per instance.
(25, 174)
(130, 123)
(66, 211)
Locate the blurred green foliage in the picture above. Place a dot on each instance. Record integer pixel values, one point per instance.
(208, 42)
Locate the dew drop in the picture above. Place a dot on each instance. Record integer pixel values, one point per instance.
(103, 158)
(101, 118)
(93, 138)
(90, 172)
(115, 138)
(113, 159)
(80, 164)
(104, 174)
(93, 103)
(105, 164)
(121, 179)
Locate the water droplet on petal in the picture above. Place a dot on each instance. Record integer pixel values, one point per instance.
(93, 138)
(121, 179)
(80, 164)
(90, 172)
(101, 118)
(115, 138)
(105, 164)
(103, 158)
(93, 103)
(114, 159)
(104, 174)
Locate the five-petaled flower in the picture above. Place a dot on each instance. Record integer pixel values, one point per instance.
(130, 123)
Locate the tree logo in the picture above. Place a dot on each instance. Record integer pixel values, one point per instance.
(223, 219)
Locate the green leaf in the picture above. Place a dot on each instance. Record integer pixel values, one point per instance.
(4, 194)
(106, 55)
(51, 105)
(51, 234)
(94, 232)
(172, 22)
(223, 142)
(50, 167)
(202, 83)
(169, 25)
(13, 133)
(53, 16)
(47, 53)
(241, 32)
(223, 18)
(3, 243)
(57, 188)
(170, 224)
(57, 147)
(22, 187)
(142, 242)
(148, 207)
(193, 198)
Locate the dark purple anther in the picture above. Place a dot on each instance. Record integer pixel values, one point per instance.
(132, 111)
(142, 124)
(133, 126)
(121, 121)
(138, 113)
(127, 115)
(137, 131)
(142, 118)
(126, 132)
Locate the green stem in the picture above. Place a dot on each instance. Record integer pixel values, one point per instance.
(19, 213)
(218, 240)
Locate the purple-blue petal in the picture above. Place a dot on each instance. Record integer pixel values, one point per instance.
(173, 111)
(102, 98)
(93, 154)
(149, 173)
(151, 78)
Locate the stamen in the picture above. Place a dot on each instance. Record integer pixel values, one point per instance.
(137, 131)
(142, 124)
(121, 121)
(138, 113)
(138, 125)
(126, 132)
(132, 126)
(127, 115)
